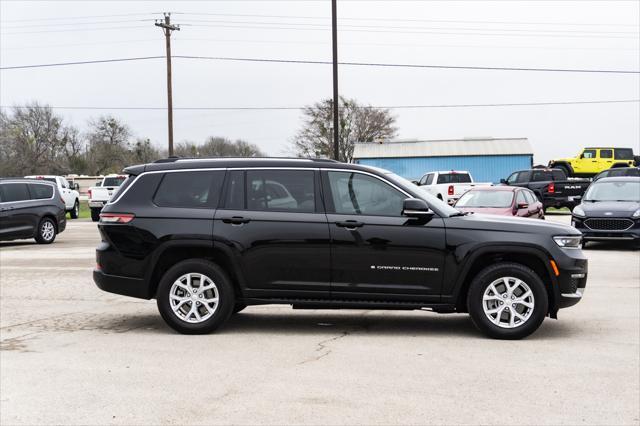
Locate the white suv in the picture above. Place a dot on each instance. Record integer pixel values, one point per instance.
(71, 197)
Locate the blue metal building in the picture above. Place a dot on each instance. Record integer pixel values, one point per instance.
(488, 159)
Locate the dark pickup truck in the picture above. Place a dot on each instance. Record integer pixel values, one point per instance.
(551, 186)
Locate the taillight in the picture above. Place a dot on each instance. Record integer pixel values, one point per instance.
(552, 188)
(116, 217)
(450, 190)
(89, 193)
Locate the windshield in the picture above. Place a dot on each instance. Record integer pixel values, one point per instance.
(613, 191)
(113, 181)
(490, 199)
(443, 207)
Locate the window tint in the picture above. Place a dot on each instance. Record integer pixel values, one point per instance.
(14, 192)
(189, 189)
(356, 193)
(234, 197)
(589, 153)
(523, 177)
(558, 175)
(513, 178)
(454, 178)
(623, 154)
(531, 197)
(281, 190)
(429, 179)
(606, 153)
(40, 192)
(114, 181)
(540, 176)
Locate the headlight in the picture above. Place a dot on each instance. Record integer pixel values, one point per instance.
(579, 211)
(636, 213)
(568, 241)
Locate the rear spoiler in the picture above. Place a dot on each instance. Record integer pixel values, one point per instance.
(134, 170)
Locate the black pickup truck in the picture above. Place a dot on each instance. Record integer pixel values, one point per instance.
(551, 186)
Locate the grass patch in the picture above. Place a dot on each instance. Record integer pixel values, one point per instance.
(562, 210)
(85, 212)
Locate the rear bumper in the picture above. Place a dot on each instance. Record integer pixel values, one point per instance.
(97, 204)
(561, 201)
(125, 286)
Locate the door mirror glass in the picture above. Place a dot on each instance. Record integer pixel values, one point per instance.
(503, 181)
(414, 207)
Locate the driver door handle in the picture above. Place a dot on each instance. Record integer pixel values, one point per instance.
(236, 220)
(350, 224)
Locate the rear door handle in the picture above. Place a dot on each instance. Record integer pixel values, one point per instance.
(349, 224)
(236, 220)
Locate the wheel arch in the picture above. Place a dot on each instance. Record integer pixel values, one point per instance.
(170, 253)
(563, 164)
(529, 256)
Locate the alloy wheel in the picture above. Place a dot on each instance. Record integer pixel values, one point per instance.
(508, 302)
(47, 230)
(193, 298)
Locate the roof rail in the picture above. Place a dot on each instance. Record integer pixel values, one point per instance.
(171, 159)
(324, 160)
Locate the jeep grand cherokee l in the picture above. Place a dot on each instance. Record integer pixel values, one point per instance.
(208, 237)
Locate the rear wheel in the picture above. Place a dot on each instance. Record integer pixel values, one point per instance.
(507, 301)
(75, 212)
(46, 233)
(95, 214)
(195, 297)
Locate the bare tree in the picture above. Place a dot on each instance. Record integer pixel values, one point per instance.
(218, 147)
(358, 123)
(108, 145)
(144, 152)
(34, 140)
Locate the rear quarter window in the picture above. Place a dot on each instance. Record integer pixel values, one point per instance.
(623, 154)
(40, 192)
(199, 189)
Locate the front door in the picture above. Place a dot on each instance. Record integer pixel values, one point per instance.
(273, 223)
(376, 253)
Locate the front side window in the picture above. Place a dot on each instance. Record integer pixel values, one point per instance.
(513, 178)
(14, 192)
(606, 153)
(190, 189)
(520, 198)
(40, 192)
(589, 153)
(281, 190)
(357, 193)
(531, 197)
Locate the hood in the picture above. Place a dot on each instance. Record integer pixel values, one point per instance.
(502, 211)
(514, 224)
(610, 208)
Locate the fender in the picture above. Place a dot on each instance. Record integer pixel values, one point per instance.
(468, 258)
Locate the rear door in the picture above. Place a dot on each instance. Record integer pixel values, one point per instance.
(376, 253)
(19, 218)
(272, 223)
(605, 159)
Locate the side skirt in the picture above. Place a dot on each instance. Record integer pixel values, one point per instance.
(351, 304)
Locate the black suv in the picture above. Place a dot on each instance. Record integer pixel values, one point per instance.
(208, 237)
(30, 209)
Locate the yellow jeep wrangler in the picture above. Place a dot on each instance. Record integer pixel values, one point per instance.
(592, 161)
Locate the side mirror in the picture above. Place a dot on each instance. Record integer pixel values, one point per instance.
(582, 155)
(503, 181)
(523, 206)
(415, 182)
(416, 208)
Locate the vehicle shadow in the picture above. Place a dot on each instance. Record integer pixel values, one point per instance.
(17, 243)
(348, 322)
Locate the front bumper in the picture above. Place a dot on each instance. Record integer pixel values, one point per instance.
(570, 283)
(589, 234)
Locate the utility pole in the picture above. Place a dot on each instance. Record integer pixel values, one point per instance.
(167, 28)
(336, 100)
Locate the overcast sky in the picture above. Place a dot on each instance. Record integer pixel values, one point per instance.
(534, 34)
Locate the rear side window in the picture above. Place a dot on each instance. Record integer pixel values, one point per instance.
(14, 192)
(190, 189)
(40, 192)
(606, 153)
(623, 154)
(454, 178)
(558, 175)
(281, 190)
(541, 176)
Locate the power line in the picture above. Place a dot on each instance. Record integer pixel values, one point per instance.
(81, 17)
(296, 108)
(55, 24)
(75, 30)
(300, 61)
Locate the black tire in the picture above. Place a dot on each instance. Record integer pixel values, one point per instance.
(95, 214)
(75, 212)
(221, 312)
(564, 168)
(492, 273)
(47, 231)
(239, 307)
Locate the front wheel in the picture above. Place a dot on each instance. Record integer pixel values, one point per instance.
(195, 297)
(507, 301)
(75, 212)
(95, 214)
(46, 233)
